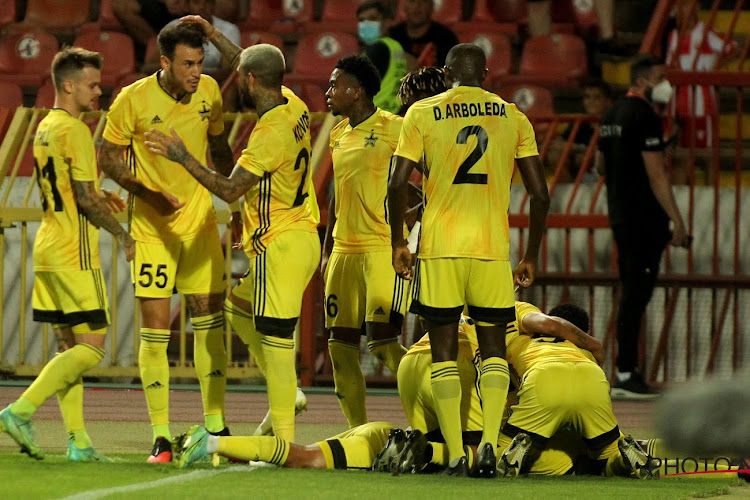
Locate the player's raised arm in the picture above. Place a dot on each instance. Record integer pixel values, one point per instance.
(228, 189)
(537, 322)
(95, 207)
(228, 49)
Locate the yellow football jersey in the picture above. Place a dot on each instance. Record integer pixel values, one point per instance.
(63, 153)
(278, 151)
(361, 171)
(145, 105)
(469, 139)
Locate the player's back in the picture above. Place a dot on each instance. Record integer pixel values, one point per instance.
(279, 151)
(64, 153)
(470, 139)
(545, 349)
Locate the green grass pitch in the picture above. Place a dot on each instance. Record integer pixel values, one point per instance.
(130, 477)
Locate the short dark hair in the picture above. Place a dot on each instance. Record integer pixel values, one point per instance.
(598, 83)
(190, 35)
(384, 10)
(72, 60)
(641, 66)
(363, 70)
(572, 313)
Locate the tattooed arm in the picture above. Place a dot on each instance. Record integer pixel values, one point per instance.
(112, 161)
(94, 206)
(228, 49)
(228, 189)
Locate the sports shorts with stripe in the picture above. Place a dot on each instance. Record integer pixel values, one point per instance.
(277, 278)
(363, 287)
(70, 297)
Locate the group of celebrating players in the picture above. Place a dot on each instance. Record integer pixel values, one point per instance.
(484, 353)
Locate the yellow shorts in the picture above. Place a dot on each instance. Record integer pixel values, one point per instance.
(442, 287)
(364, 287)
(70, 297)
(356, 448)
(557, 393)
(191, 267)
(415, 391)
(558, 458)
(277, 279)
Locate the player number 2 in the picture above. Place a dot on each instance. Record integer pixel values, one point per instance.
(147, 278)
(304, 155)
(463, 176)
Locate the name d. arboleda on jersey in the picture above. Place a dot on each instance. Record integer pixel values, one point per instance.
(466, 110)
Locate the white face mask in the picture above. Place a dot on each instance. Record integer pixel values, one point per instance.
(662, 92)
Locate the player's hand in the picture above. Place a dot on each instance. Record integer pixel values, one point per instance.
(128, 246)
(208, 29)
(680, 238)
(235, 221)
(403, 262)
(113, 201)
(524, 274)
(163, 203)
(170, 147)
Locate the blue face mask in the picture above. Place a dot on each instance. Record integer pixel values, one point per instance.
(369, 31)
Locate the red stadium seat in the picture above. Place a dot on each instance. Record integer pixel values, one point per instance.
(317, 55)
(8, 13)
(117, 51)
(313, 95)
(338, 15)
(248, 38)
(279, 16)
(496, 48)
(45, 96)
(483, 19)
(532, 100)
(507, 11)
(444, 11)
(11, 96)
(25, 58)
(585, 14)
(57, 16)
(107, 19)
(556, 60)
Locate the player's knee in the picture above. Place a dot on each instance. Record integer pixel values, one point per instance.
(276, 327)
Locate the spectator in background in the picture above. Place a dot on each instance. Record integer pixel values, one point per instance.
(143, 19)
(688, 50)
(597, 99)
(419, 31)
(385, 53)
(641, 206)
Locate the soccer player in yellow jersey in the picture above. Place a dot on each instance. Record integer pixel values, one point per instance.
(280, 217)
(562, 385)
(69, 289)
(469, 139)
(360, 283)
(418, 400)
(173, 222)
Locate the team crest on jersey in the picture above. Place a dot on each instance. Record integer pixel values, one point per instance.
(371, 139)
(205, 111)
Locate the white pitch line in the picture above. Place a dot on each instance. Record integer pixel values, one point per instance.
(198, 474)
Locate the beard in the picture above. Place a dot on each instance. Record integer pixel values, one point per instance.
(246, 100)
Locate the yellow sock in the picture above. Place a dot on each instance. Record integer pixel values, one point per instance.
(71, 407)
(493, 387)
(256, 448)
(154, 368)
(62, 371)
(349, 381)
(389, 352)
(243, 324)
(446, 391)
(210, 357)
(440, 454)
(281, 378)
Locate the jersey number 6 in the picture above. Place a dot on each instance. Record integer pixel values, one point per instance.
(463, 176)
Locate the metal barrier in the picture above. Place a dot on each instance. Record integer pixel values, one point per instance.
(26, 346)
